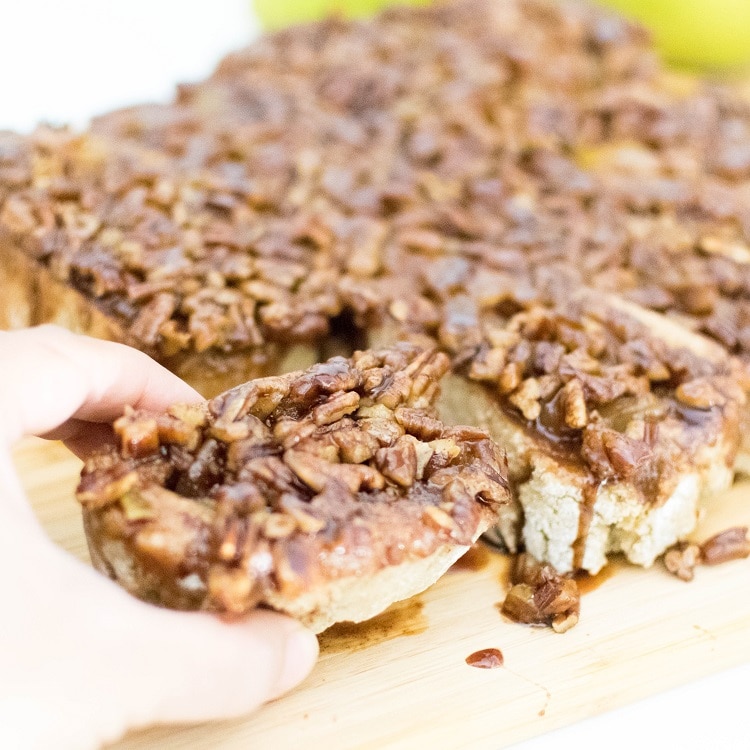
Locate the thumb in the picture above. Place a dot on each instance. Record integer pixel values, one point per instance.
(196, 667)
(188, 667)
(83, 661)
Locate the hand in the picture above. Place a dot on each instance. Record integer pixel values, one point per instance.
(81, 661)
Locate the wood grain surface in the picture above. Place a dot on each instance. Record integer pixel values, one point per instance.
(401, 680)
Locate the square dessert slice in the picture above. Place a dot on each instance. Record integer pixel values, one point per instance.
(327, 494)
(129, 244)
(211, 231)
(617, 421)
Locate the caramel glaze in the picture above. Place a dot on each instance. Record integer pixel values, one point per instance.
(487, 658)
(562, 445)
(565, 446)
(477, 558)
(585, 516)
(403, 618)
(588, 583)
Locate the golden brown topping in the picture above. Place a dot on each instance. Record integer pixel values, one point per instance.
(267, 482)
(213, 225)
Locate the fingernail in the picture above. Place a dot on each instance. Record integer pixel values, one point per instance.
(300, 655)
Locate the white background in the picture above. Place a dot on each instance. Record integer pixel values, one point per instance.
(66, 60)
(63, 61)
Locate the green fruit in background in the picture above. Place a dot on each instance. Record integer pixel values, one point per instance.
(695, 33)
(275, 14)
(708, 34)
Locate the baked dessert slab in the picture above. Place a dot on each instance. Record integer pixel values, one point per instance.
(618, 423)
(32, 295)
(528, 150)
(327, 494)
(244, 217)
(264, 202)
(123, 243)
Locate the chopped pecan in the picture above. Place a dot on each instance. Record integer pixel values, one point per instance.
(510, 377)
(489, 364)
(574, 404)
(731, 544)
(138, 437)
(416, 422)
(147, 326)
(422, 240)
(336, 407)
(540, 596)
(232, 590)
(612, 454)
(681, 559)
(398, 462)
(175, 431)
(699, 394)
(355, 445)
(526, 399)
(279, 525)
(230, 432)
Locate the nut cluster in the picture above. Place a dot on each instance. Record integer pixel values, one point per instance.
(347, 455)
(589, 377)
(181, 257)
(541, 596)
(730, 544)
(558, 369)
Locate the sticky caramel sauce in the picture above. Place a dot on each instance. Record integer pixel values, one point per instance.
(487, 658)
(403, 618)
(477, 558)
(587, 582)
(586, 515)
(550, 434)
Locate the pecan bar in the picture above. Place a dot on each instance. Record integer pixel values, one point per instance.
(125, 244)
(225, 233)
(618, 425)
(327, 494)
(481, 161)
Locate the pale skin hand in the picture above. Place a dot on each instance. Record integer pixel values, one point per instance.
(81, 661)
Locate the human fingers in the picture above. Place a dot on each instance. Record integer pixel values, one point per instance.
(51, 375)
(87, 662)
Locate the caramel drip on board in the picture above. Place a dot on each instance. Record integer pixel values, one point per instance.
(588, 583)
(402, 618)
(476, 558)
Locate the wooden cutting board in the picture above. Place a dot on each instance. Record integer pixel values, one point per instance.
(401, 681)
